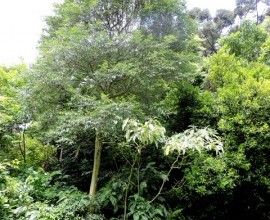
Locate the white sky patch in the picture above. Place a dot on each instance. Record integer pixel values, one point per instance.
(212, 5)
(21, 24)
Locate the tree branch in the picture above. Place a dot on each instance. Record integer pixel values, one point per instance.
(164, 181)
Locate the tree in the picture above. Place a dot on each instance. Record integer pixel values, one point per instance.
(240, 83)
(101, 58)
(247, 42)
(244, 8)
(212, 28)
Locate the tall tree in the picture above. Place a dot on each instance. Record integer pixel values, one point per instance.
(100, 58)
(212, 28)
(240, 83)
(245, 8)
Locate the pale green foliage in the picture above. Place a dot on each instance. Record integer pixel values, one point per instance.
(148, 133)
(194, 139)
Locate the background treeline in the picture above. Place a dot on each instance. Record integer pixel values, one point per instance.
(122, 115)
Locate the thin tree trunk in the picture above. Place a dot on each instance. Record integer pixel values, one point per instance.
(95, 171)
(257, 13)
(24, 146)
(128, 184)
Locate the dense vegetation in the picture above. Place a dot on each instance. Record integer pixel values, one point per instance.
(139, 110)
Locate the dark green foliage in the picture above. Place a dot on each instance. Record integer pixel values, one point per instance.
(181, 103)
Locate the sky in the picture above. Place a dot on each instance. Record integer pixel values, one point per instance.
(22, 21)
(21, 24)
(212, 5)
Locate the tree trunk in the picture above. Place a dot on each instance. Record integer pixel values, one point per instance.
(24, 146)
(257, 13)
(95, 171)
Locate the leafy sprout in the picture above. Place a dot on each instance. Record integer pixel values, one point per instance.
(194, 138)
